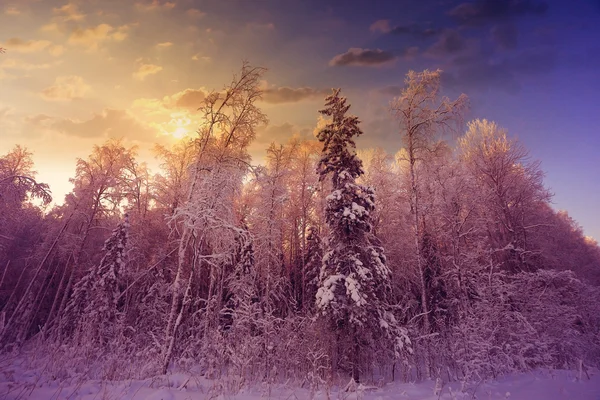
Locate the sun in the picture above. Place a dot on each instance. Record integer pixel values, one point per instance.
(179, 132)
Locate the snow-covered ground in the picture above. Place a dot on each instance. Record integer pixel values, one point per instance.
(17, 382)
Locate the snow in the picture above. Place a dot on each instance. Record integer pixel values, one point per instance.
(353, 290)
(325, 294)
(18, 382)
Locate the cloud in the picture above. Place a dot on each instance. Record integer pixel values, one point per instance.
(93, 37)
(21, 65)
(195, 13)
(39, 119)
(155, 5)
(198, 57)
(108, 123)
(415, 31)
(164, 45)
(6, 111)
(11, 10)
(190, 99)
(146, 70)
(483, 11)
(66, 88)
(26, 46)
(56, 50)
(286, 94)
(261, 27)
(52, 27)
(185, 100)
(449, 42)
(363, 57)
(505, 36)
(265, 135)
(381, 25)
(4, 75)
(69, 12)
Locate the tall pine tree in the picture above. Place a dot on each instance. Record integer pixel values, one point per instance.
(354, 281)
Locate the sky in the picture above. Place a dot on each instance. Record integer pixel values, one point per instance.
(78, 72)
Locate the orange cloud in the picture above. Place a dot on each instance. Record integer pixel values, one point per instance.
(109, 123)
(66, 88)
(93, 37)
(190, 99)
(198, 57)
(146, 70)
(26, 46)
(69, 12)
(164, 45)
(155, 5)
(9, 10)
(286, 94)
(21, 65)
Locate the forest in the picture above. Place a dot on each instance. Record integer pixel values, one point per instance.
(444, 261)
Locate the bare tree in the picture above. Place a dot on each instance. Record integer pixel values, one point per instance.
(423, 114)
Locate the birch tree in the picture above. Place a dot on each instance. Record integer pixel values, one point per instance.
(422, 115)
(206, 217)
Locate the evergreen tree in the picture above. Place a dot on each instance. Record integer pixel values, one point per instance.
(354, 278)
(94, 300)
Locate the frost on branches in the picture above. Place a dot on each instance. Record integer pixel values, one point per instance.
(354, 278)
(92, 307)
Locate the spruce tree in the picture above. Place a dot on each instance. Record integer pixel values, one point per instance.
(354, 278)
(93, 303)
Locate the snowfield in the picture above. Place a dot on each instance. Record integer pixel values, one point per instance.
(18, 382)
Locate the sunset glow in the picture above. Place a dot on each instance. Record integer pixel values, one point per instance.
(78, 72)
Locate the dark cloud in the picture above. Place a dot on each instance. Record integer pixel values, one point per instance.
(363, 57)
(484, 11)
(111, 123)
(383, 26)
(505, 36)
(189, 99)
(451, 41)
(292, 95)
(415, 31)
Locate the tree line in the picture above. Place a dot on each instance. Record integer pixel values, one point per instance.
(440, 261)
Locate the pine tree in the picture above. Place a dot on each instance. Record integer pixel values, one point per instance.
(94, 300)
(354, 278)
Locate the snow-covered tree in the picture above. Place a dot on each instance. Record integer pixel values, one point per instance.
(312, 267)
(354, 278)
(512, 188)
(92, 308)
(206, 216)
(422, 113)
